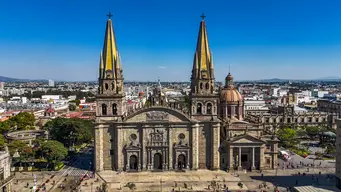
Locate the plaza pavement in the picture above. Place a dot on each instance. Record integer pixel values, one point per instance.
(166, 181)
(22, 178)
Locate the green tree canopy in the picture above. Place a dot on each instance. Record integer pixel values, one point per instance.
(70, 131)
(5, 126)
(2, 142)
(287, 136)
(312, 130)
(23, 121)
(53, 150)
(17, 145)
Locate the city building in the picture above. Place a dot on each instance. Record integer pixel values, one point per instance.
(2, 85)
(5, 171)
(51, 83)
(291, 115)
(330, 106)
(338, 154)
(164, 136)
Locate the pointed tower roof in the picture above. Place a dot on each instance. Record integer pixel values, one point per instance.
(110, 53)
(203, 51)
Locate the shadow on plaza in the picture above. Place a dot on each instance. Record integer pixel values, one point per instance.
(325, 181)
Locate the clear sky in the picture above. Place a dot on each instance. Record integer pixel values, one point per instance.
(260, 39)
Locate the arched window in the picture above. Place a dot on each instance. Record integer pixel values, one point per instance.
(207, 86)
(114, 109)
(201, 86)
(104, 109)
(209, 108)
(199, 107)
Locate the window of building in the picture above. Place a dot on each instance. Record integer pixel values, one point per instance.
(199, 108)
(267, 160)
(209, 108)
(114, 109)
(104, 109)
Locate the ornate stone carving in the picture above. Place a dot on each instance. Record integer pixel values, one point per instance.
(156, 116)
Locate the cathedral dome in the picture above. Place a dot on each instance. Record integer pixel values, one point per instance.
(230, 94)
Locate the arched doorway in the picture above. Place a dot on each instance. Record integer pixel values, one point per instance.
(181, 161)
(158, 161)
(133, 162)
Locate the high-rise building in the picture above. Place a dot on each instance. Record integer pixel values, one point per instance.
(51, 83)
(2, 85)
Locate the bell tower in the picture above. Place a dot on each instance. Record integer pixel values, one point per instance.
(203, 99)
(110, 97)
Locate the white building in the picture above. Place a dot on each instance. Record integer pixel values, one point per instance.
(51, 83)
(274, 91)
(53, 97)
(2, 85)
(254, 104)
(5, 171)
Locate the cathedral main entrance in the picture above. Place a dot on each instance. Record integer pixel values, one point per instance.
(133, 163)
(245, 162)
(157, 161)
(181, 162)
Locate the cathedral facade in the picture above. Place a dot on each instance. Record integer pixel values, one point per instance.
(163, 136)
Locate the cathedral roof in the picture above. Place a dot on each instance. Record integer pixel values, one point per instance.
(110, 57)
(230, 93)
(203, 62)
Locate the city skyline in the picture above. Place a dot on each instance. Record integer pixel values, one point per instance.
(258, 40)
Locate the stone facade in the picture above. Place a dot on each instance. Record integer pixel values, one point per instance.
(5, 171)
(171, 136)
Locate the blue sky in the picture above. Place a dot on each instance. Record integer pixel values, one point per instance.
(260, 39)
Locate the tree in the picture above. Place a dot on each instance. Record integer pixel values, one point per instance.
(72, 107)
(287, 136)
(53, 151)
(313, 130)
(90, 99)
(5, 126)
(23, 121)
(16, 145)
(2, 142)
(77, 101)
(70, 131)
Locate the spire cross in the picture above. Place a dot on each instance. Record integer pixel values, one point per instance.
(203, 16)
(109, 15)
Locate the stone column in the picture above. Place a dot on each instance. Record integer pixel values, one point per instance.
(170, 149)
(118, 153)
(240, 159)
(231, 158)
(215, 146)
(144, 158)
(195, 146)
(98, 148)
(253, 159)
(261, 158)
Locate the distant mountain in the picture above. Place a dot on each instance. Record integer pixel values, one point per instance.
(330, 78)
(9, 80)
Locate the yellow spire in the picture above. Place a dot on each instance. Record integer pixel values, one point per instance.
(110, 52)
(203, 51)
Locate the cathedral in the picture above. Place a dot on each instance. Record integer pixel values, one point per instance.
(162, 136)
